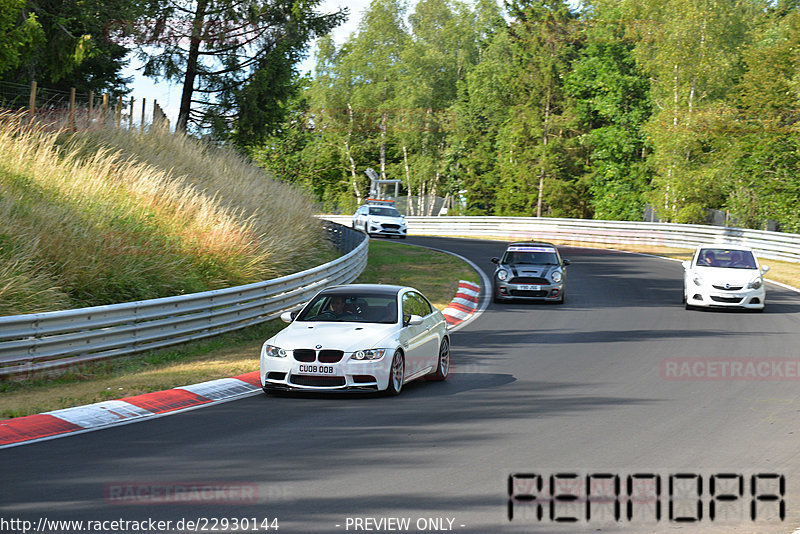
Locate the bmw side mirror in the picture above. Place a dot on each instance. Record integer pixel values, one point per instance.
(565, 262)
(495, 260)
(764, 268)
(414, 320)
(288, 317)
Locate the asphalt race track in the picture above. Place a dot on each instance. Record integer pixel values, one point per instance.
(593, 387)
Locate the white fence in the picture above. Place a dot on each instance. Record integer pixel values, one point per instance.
(44, 341)
(773, 245)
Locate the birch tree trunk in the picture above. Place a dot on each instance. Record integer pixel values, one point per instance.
(545, 137)
(353, 174)
(409, 204)
(383, 146)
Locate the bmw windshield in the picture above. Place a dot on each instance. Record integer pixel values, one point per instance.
(351, 307)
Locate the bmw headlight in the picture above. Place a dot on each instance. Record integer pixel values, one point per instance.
(502, 274)
(273, 351)
(368, 354)
(755, 284)
(556, 276)
(698, 281)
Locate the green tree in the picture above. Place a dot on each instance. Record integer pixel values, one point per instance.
(442, 50)
(538, 170)
(482, 108)
(293, 152)
(691, 50)
(612, 101)
(352, 97)
(758, 141)
(19, 31)
(216, 47)
(77, 48)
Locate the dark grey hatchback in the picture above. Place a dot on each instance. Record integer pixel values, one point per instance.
(530, 271)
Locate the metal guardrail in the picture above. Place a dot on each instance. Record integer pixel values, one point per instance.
(772, 245)
(44, 341)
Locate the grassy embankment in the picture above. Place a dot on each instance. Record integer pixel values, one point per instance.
(434, 273)
(114, 216)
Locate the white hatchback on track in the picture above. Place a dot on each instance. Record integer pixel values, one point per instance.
(724, 276)
(366, 337)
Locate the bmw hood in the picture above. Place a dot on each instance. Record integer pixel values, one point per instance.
(347, 337)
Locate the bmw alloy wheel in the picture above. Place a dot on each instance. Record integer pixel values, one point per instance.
(396, 374)
(443, 365)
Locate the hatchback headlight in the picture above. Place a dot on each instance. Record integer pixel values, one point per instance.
(698, 281)
(556, 276)
(755, 284)
(502, 274)
(273, 351)
(368, 354)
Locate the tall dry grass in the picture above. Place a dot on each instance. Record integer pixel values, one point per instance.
(99, 218)
(280, 214)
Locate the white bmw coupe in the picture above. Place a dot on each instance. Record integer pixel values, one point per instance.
(366, 337)
(723, 276)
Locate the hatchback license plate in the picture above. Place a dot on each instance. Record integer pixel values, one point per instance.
(529, 288)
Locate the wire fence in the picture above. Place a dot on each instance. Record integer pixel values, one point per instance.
(70, 110)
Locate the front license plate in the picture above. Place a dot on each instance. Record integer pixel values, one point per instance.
(530, 288)
(316, 369)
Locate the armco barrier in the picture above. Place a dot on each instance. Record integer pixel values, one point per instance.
(42, 341)
(773, 245)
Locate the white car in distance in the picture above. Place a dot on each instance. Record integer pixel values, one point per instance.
(724, 276)
(364, 337)
(380, 219)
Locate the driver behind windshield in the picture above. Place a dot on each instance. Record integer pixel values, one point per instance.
(709, 259)
(337, 308)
